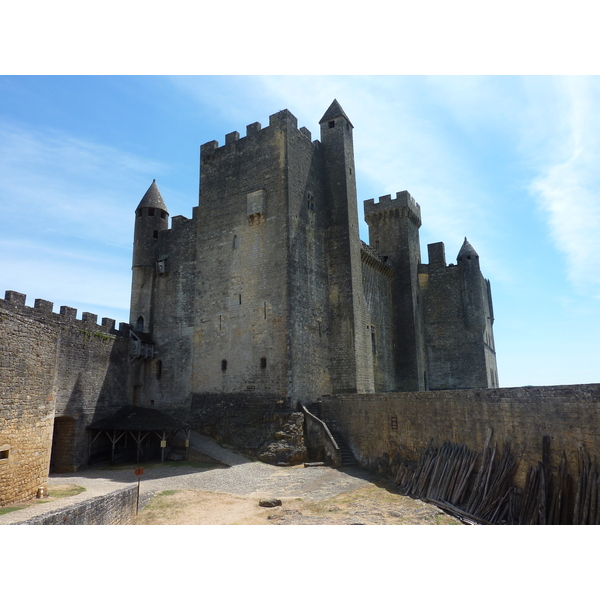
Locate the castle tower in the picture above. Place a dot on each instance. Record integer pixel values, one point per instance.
(151, 217)
(350, 346)
(478, 315)
(394, 232)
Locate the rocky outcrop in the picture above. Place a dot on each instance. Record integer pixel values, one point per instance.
(288, 446)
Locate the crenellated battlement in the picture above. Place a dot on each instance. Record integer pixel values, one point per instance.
(15, 301)
(403, 205)
(283, 120)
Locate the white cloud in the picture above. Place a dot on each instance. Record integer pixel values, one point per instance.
(567, 187)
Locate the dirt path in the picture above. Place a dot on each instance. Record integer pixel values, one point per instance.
(367, 505)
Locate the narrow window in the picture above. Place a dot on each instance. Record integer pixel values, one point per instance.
(265, 310)
(331, 124)
(373, 348)
(263, 363)
(240, 298)
(139, 212)
(163, 214)
(155, 233)
(150, 212)
(220, 321)
(139, 326)
(4, 454)
(223, 365)
(235, 242)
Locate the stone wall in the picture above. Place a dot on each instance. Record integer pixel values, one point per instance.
(116, 508)
(52, 365)
(385, 430)
(261, 425)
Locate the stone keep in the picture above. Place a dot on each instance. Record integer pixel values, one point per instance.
(268, 288)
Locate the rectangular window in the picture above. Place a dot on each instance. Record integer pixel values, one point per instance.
(263, 363)
(4, 452)
(150, 212)
(223, 365)
(373, 347)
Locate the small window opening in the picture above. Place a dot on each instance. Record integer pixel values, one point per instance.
(235, 242)
(223, 365)
(139, 326)
(4, 454)
(350, 169)
(263, 363)
(373, 347)
(163, 214)
(220, 321)
(150, 212)
(139, 212)
(319, 328)
(468, 257)
(331, 124)
(265, 310)
(155, 233)
(240, 298)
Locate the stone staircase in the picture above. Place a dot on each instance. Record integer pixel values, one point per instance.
(348, 459)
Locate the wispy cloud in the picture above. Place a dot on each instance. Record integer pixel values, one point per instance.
(50, 178)
(567, 186)
(69, 204)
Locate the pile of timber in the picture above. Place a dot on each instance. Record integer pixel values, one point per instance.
(447, 478)
(444, 476)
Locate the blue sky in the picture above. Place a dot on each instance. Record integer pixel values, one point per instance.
(509, 162)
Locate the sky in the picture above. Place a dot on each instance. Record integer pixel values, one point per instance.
(510, 162)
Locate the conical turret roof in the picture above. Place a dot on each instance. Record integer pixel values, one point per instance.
(152, 198)
(335, 110)
(467, 250)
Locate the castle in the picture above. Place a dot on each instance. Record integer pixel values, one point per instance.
(268, 288)
(265, 322)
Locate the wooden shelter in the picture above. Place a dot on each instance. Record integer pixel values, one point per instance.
(142, 424)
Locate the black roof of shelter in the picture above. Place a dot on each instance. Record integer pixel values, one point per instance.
(137, 418)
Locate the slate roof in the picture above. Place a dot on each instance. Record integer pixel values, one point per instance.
(152, 198)
(467, 249)
(138, 418)
(335, 110)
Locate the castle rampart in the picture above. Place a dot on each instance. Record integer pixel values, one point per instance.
(58, 373)
(386, 430)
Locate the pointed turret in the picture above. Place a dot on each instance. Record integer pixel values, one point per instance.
(151, 218)
(152, 198)
(333, 112)
(467, 252)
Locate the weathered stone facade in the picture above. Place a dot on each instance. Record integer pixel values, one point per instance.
(268, 288)
(58, 373)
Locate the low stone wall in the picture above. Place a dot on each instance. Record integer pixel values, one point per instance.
(116, 508)
(385, 430)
